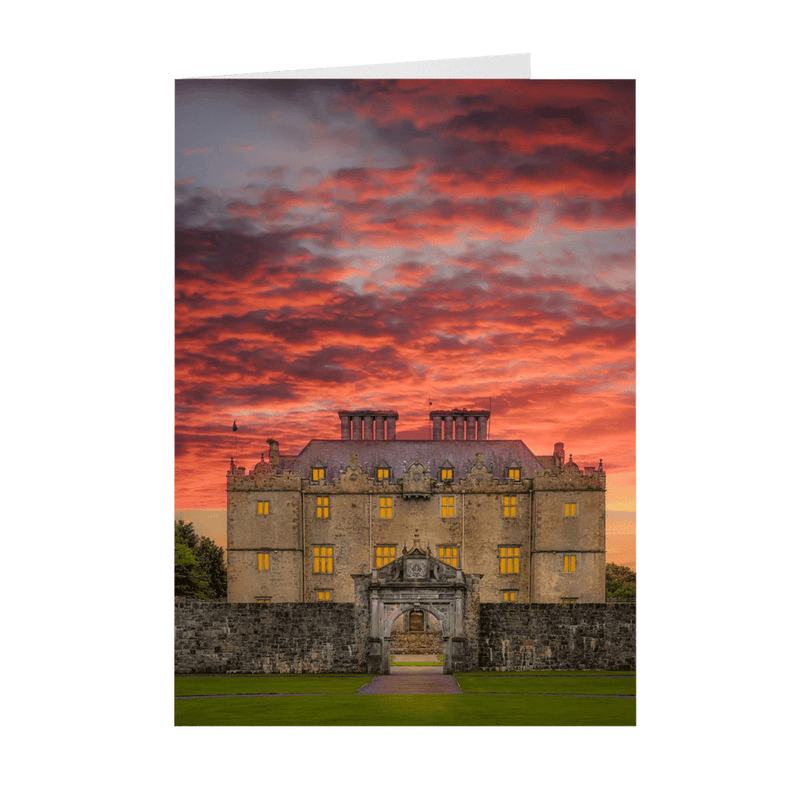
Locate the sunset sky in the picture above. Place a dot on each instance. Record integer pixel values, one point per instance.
(374, 244)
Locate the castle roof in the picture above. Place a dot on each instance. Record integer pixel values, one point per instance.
(398, 454)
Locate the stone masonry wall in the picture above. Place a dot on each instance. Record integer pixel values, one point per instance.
(260, 637)
(333, 637)
(417, 643)
(517, 636)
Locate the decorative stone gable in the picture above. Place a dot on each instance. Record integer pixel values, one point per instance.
(353, 478)
(479, 475)
(416, 567)
(262, 470)
(417, 481)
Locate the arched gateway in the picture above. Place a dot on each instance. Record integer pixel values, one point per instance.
(418, 581)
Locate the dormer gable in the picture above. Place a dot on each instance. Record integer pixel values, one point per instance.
(383, 472)
(447, 472)
(417, 566)
(318, 472)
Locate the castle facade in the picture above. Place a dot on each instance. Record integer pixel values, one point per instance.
(530, 528)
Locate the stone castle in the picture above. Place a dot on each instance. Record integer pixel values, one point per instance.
(521, 528)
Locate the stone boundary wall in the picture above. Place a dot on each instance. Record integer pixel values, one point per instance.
(520, 636)
(417, 643)
(213, 637)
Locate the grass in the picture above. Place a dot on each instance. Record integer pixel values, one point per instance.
(186, 685)
(549, 673)
(424, 710)
(508, 684)
(490, 698)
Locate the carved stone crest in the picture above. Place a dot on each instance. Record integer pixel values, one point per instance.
(416, 569)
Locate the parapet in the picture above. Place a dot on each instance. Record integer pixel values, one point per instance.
(262, 476)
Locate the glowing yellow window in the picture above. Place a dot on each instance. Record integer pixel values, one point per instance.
(509, 597)
(510, 505)
(448, 506)
(384, 554)
(386, 507)
(323, 559)
(514, 473)
(318, 474)
(323, 507)
(263, 507)
(449, 555)
(383, 473)
(568, 601)
(570, 563)
(263, 599)
(324, 595)
(447, 473)
(570, 509)
(263, 561)
(509, 560)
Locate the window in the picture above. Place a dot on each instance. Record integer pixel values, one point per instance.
(509, 560)
(318, 474)
(263, 599)
(449, 554)
(570, 509)
(568, 601)
(386, 507)
(262, 507)
(510, 505)
(514, 473)
(383, 473)
(263, 561)
(384, 553)
(447, 473)
(323, 507)
(570, 563)
(448, 506)
(323, 558)
(324, 595)
(510, 596)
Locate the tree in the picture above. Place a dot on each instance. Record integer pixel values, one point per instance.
(620, 582)
(200, 572)
(211, 563)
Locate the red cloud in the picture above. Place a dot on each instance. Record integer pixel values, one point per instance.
(616, 212)
(289, 304)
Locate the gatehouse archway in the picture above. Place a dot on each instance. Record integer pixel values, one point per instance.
(416, 637)
(418, 582)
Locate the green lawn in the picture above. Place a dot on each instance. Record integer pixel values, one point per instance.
(549, 673)
(186, 685)
(513, 684)
(427, 710)
(490, 698)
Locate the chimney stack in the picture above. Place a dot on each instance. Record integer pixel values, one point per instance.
(460, 425)
(377, 425)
